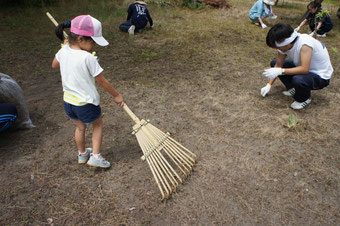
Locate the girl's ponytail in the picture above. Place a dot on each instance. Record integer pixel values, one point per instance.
(60, 29)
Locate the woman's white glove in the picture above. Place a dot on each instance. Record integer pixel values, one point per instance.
(265, 90)
(263, 26)
(272, 73)
(297, 29)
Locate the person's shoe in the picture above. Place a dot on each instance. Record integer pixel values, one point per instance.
(83, 157)
(132, 30)
(98, 161)
(289, 93)
(273, 17)
(299, 105)
(321, 36)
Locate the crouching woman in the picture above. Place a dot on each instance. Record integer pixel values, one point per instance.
(260, 10)
(309, 67)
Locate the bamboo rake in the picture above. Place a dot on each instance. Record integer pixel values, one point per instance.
(163, 155)
(55, 22)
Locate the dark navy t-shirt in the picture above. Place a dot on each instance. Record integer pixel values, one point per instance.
(314, 20)
(139, 15)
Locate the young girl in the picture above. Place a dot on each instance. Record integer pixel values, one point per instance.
(319, 20)
(79, 71)
(260, 10)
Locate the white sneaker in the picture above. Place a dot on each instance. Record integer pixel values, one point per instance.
(289, 93)
(132, 30)
(98, 161)
(299, 105)
(321, 36)
(273, 17)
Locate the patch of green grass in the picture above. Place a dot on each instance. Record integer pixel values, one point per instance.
(120, 13)
(330, 1)
(292, 120)
(146, 55)
(149, 54)
(191, 4)
(4, 195)
(334, 50)
(162, 2)
(288, 6)
(33, 210)
(24, 222)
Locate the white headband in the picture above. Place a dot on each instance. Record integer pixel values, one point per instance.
(287, 40)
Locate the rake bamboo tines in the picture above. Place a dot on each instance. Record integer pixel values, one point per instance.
(169, 161)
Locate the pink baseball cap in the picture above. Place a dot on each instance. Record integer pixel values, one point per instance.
(86, 25)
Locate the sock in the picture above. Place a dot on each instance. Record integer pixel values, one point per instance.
(96, 155)
(84, 153)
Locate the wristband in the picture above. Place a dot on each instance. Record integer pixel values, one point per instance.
(283, 71)
(269, 84)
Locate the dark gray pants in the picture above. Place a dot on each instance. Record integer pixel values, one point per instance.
(126, 25)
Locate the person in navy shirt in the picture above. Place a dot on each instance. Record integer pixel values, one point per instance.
(318, 19)
(137, 19)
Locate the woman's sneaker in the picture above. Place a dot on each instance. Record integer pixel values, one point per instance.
(289, 93)
(98, 161)
(83, 157)
(299, 105)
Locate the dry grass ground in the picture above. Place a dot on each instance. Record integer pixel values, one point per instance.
(196, 75)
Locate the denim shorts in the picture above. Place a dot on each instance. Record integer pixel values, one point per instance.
(87, 113)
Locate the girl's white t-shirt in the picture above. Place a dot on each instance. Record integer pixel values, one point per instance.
(320, 63)
(78, 70)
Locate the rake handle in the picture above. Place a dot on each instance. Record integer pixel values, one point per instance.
(55, 22)
(131, 114)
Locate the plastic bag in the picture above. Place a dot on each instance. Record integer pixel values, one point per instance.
(11, 93)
